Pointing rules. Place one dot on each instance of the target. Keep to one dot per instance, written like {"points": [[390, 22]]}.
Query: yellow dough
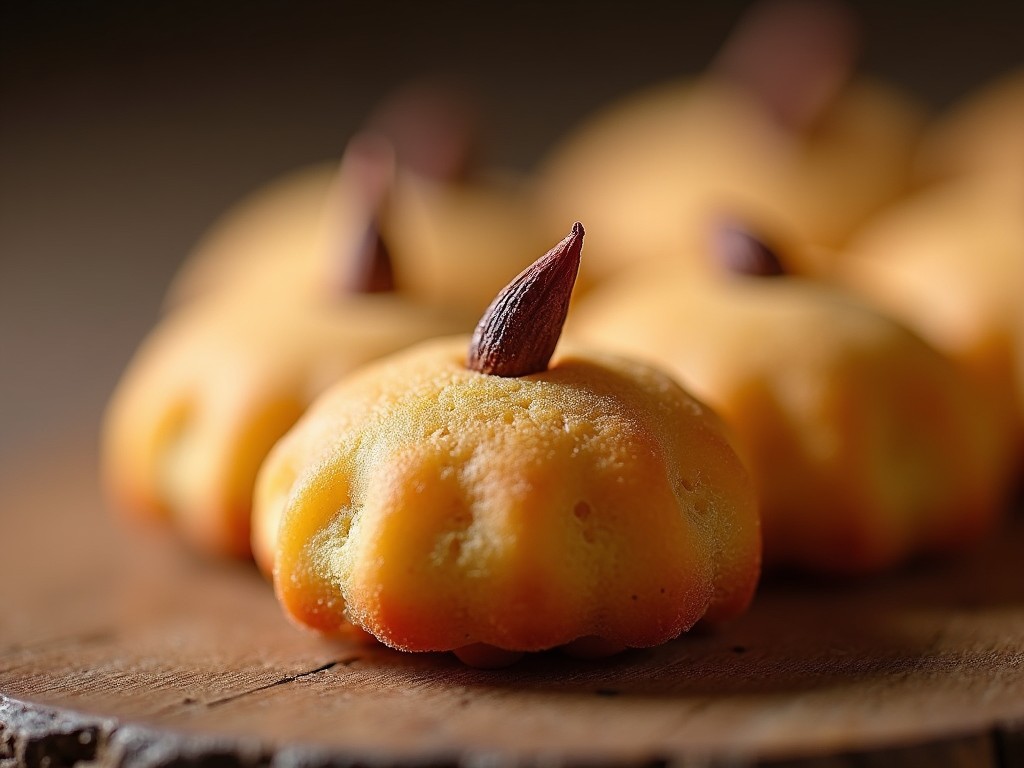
{"points": [[778, 131], [443, 509], [455, 233], [654, 172], [983, 134], [227, 372], [950, 263], [451, 243], [280, 222], [218, 383], [455, 244], [865, 444]]}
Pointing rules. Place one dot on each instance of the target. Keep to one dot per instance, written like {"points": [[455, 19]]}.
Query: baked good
{"points": [[949, 262], [273, 223], [493, 503], [225, 374], [982, 134], [455, 231], [866, 445], [777, 131]]}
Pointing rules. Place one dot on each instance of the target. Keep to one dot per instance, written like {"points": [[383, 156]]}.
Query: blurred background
{"points": [[127, 127]]}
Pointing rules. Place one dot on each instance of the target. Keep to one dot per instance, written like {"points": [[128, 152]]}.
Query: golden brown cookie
{"points": [[982, 134], [475, 497], [866, 445], [455, 232], [777, 131], [950, 264], [225, 374]]}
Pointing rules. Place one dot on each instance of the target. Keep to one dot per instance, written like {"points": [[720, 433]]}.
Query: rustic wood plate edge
{"points": [[39, 736]]}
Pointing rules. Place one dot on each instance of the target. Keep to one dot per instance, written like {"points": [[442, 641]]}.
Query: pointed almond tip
{"points": [[519, 331]]}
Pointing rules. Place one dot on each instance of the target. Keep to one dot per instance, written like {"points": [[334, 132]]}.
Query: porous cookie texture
{"points": [[440, 508]]}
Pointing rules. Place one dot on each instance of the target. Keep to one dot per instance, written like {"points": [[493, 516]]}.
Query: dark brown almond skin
{"points": [[371, 268], [364, 265], [737, 251], [429, 128], [434, 126], [793, 56], [518, 332]]}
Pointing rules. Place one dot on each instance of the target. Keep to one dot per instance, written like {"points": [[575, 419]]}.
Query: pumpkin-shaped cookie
{"points": [[225, 375], [491, 503], [455, 231], [949, 262], [866, 445], [777, 131]]}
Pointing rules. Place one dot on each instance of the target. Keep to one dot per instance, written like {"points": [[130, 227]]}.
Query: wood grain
{"points": [[118, 647]]}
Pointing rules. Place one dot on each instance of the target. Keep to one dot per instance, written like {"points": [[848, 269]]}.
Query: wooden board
{"points": [[118, 647]]}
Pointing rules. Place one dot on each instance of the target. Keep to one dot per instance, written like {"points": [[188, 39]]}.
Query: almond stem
{"points": [[519, 330]]}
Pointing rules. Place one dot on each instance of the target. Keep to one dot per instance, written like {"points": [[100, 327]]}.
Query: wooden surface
{"points": [[126, 129], [167, 658]]}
